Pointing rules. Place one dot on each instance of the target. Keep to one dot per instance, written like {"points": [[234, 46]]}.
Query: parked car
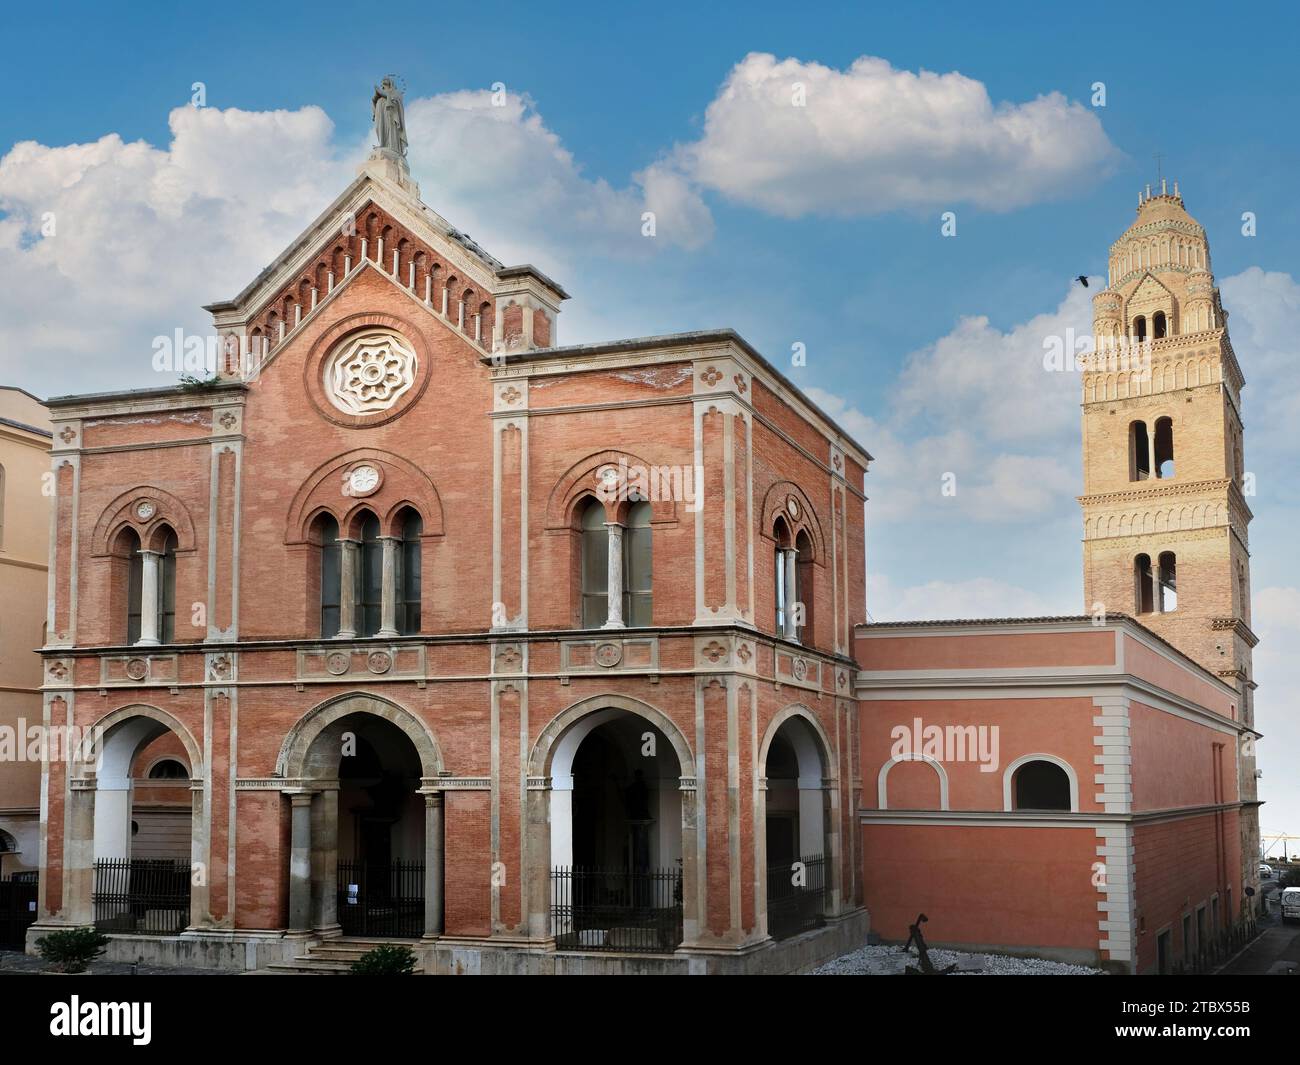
{"points": [[1265, 872], [1291, 904]]}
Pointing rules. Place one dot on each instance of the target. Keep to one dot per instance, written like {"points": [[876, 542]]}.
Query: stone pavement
{"points": [[14, 963]]}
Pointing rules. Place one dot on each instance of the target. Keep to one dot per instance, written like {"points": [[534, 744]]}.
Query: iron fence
{"points": [[616, 909], [1217, 951], [150, 896], [796, 896], [381, 898]]}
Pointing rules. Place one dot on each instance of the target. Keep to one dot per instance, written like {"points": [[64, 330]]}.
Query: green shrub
{"points": [[71, 950], [385, 961]]}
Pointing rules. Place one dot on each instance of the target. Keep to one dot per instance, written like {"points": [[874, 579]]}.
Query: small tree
{"points": [[388, 960], [72, 949]]}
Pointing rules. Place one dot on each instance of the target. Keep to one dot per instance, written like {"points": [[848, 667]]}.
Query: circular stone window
{"points": [[368, 372]]}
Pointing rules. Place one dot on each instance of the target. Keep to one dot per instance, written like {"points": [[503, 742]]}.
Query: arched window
{"points": [[1164, 448], [1139, 328], [168, 769], [1139, 452], [1168, 582], [595, 565], [167, 588], [408, 576], [370, 578], [1144, 593], [804, 584], [781, 534], [1158, 325], [326, 537], [1040, 785], [638, 566], [129, 547]]}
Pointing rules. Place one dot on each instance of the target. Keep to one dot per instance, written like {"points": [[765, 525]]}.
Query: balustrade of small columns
{"points": [[459, 304]]}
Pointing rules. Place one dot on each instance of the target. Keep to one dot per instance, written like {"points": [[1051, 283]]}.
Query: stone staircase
{"points": [[333, 957]]}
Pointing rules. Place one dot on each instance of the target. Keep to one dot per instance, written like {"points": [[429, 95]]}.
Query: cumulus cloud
{"points": [[1275, 618], [872, 138], [108, 244], [980, 428], [494, 165]]}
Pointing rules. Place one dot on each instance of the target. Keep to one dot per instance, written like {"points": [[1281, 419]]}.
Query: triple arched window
{"points": [[370, 583], [616, 566]]}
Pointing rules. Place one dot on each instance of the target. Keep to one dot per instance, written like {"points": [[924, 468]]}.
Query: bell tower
{"points": [[1164, 505]]}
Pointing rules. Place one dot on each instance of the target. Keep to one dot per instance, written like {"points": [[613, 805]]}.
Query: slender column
{"points": [[348, 589], [388, 601], [790, 557], [149, 598], [1155, 585], [1151, 453], [433, 859], [614, 587], [300, 862]]}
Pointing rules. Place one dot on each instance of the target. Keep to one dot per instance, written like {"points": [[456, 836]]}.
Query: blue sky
{"points": [[927, 347]]}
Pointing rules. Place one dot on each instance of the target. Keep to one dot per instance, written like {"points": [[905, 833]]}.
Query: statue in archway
{"points": [[390, 118]]}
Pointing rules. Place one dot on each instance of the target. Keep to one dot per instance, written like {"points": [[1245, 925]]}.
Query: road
{"points": [[1276, 952]]}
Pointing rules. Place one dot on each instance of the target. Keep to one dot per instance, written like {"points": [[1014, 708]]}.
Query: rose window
{"points": [[369, 372]]}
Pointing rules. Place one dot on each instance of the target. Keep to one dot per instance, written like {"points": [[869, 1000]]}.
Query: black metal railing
{"points": [[796, 896], [381, 898], [17, 908], [150, 896], [616, 909]]}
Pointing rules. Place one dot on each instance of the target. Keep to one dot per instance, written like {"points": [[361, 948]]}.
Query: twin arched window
{"points": [[613, 596], [359, 594], [1156, 590], [793, 572], [150, 586], [1151, 455]]}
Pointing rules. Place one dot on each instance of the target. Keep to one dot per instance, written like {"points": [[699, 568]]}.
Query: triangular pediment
{"points": [[370, 198], [1150, 290]]}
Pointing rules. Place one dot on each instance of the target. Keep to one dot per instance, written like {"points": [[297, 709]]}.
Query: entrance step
{"points": [[334, 957]]}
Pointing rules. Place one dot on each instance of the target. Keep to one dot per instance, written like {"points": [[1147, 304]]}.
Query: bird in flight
{"points": [[1083, 280]]}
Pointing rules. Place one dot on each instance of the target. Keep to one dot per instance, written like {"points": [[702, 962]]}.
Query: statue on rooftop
{"points": [[390, 118]]}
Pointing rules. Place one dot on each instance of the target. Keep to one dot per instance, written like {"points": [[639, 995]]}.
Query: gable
{"points": [[1150, 292]]}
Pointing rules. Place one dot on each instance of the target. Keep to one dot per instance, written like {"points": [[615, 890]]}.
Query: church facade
{"points": [[537, 657], [414, 623]]}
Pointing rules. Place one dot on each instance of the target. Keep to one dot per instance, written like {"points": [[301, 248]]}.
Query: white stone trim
{"points": [[882, 791]]}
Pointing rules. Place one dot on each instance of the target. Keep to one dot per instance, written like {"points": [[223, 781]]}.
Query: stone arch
{"points": [[1008, 775], [882, 780], [295, 760], [123, 715], [774, 503], [119, 514], [580, 480], [403, 480], [551, 741]]}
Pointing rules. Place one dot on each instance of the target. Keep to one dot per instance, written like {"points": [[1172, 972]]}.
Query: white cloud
{"points": [[143, 236], [1275, 618], [979, 597], [871, 139], [500, 173]]}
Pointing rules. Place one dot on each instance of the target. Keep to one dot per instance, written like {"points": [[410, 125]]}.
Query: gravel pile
{"points": [[890, 960]]}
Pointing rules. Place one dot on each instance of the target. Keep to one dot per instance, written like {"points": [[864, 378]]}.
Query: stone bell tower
{"points": [[1164, 504]]}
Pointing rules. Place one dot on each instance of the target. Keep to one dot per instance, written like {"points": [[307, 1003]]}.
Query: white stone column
{"points": [[149, 598], [300, 862], [614, 588], [1152, 473], [388, 602], [347, 589], [790, 559], [433, 863]]}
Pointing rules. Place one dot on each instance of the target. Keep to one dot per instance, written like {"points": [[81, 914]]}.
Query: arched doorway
{"points": [[366, 851], [797, 837], [616, 833], [142, 884]]}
